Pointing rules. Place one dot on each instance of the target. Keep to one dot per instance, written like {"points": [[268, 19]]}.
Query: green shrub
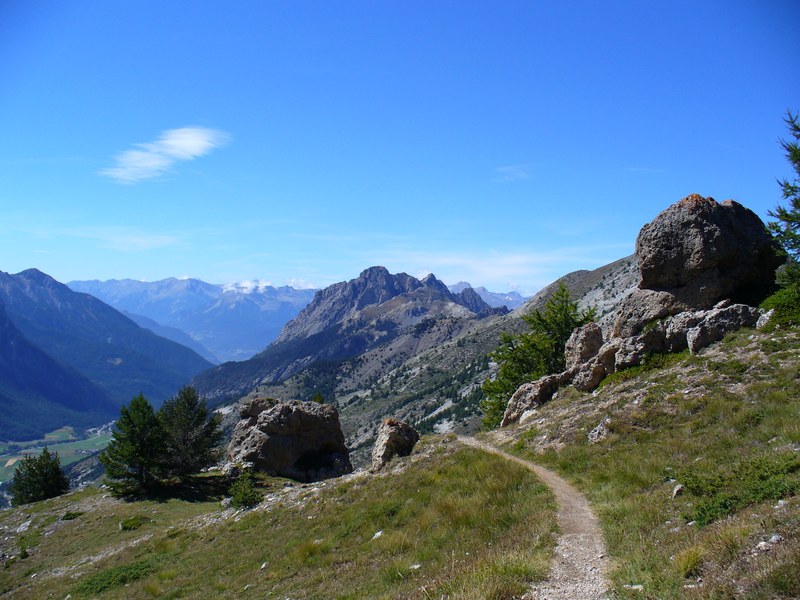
{"points": [[115, 577], [244, 493], [760, 478], [786, 303], [71, 514], [530, 355]]}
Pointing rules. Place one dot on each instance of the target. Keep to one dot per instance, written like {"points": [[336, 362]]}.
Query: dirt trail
{"points": [[580, 563]]}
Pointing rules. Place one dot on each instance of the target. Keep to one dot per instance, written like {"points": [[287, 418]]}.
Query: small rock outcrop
{"points": [[299, 440], [696, 259], [531, 395], [395, 438], [694, 254]]}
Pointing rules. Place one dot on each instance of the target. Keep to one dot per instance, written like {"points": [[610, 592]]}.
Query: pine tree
{"points": [[133, 457], [528, 356], [38, 478], [191, 435], [787, 227]]}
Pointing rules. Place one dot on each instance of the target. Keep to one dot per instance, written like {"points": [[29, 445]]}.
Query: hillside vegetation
{"points": [[448, 521], [724, 426]]}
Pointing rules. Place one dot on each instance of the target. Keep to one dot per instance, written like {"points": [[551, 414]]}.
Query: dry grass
{"points": [[453, 520], [724, 424]]}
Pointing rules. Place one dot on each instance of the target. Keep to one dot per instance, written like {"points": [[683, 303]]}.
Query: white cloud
{"points": [[301, 284], [510, 173], [148, 160]]}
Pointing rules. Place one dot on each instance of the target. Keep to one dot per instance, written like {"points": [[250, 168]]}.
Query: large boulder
{"points": [[395, 438], [298, 440], [694, 254]]}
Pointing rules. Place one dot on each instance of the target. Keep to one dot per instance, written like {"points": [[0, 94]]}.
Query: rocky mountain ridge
{"points": [[429, 375], [95, 342], [358, 319], [38, 395]]}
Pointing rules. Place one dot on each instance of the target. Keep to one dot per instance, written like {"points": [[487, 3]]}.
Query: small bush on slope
{"points": [[786, 303]]}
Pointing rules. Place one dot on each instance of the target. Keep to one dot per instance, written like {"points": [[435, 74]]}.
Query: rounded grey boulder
{"points": [[299, 440]]}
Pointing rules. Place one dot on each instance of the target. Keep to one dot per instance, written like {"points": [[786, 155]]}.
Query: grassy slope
{"points": [[726, 425], [454, 520]]}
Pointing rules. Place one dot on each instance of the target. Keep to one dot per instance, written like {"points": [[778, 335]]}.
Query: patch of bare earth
{"points": [[580, 563]]}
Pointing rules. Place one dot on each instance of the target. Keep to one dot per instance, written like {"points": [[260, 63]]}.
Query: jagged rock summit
{"points": [[694, 254], [299, 440], [347, 302], [696, 259]]}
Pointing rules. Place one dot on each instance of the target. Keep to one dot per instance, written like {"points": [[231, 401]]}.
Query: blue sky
{"points": [[502, 143]]}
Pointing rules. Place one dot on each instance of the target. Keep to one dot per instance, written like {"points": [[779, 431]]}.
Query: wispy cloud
{"points": [[151, 159], [124, 239], [510, 173]]}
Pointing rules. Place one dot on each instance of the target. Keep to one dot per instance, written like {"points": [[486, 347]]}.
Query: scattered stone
{"points": [[226, 502], [716, 322], [600, 432], [24, 527], [776, 539], [677, 491], [395, 438], [377, 535], [298, 440], [764, 318], [761, 547], [263, 566]]}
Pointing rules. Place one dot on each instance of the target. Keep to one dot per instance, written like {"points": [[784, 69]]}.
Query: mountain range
{"points": [[384, 344], [222, 323], [73, 354], [348, 320], [65, 351]]}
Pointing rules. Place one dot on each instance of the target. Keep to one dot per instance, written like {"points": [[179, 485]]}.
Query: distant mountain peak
{"points": [[510, 300], [372, 272], [459, 287]]}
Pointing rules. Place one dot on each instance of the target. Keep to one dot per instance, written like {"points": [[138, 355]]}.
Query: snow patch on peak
{"points": [[246, 287]]}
